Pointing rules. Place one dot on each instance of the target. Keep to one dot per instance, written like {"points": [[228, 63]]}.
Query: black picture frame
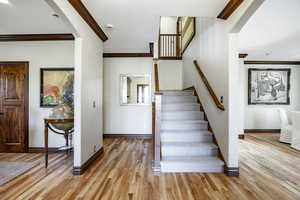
{"points": [[42, 70], [288, 100]]}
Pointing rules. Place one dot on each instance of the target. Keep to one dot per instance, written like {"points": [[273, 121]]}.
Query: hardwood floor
{"points": [[124, 172]]}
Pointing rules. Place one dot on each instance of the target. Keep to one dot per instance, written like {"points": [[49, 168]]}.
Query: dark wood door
{"points": [[13, 106]]}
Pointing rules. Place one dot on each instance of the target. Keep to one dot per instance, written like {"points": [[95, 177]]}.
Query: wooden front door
{"points": [[13, 107]]}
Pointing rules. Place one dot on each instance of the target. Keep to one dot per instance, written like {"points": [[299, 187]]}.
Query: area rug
{"points": [[11, 170]]}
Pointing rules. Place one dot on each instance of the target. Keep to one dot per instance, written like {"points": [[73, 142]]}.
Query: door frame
{"points": [[26, 99]]}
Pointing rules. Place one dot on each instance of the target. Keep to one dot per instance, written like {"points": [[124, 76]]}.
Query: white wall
{"points": [[88, 84], [209, 48], [40, 55], [217, 51], [266, 116], [262, 35], [133, 119], [130, 119], [168, 25], [170, 74]]}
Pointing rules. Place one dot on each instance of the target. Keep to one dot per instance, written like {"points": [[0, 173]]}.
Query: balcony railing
{"points": [[170, 46]]}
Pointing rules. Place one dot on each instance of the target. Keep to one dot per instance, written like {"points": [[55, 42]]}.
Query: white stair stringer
{"points": [[186, 143]]}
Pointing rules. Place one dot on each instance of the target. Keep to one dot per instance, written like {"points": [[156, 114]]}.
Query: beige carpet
{"points": [[11, 170]]}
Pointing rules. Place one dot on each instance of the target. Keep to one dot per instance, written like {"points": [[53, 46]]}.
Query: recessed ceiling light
{"points": [[268, 53], [55, 15], [4, 1], [109, 26]]}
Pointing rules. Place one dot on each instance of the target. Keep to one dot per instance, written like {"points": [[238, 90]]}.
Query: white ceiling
{"points": [[275, 30], [136, 22], [29, 17]]}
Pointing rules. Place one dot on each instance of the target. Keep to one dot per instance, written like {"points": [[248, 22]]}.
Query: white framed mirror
{"points": [[135, 89]]}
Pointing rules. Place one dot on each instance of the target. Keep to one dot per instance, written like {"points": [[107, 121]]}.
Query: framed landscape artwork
{"points": [[56, 86], [269, 86]]}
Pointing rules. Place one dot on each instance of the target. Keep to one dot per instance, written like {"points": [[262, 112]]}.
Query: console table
{"points": [[66, 134]]}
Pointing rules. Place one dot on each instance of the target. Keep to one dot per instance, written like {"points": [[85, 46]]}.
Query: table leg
{"points": [[67, 141], [71, 142], [46, 145]]}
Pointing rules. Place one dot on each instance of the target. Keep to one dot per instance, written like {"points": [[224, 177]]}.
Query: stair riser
{"points": [[186, 138], [181, 108], [188, 168], [187, 151], [179, 126], [179, 99], [178, 93], [183, 116]]}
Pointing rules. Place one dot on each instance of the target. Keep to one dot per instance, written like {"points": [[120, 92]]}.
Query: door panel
{"points": [[13, 107], [10, 86]]}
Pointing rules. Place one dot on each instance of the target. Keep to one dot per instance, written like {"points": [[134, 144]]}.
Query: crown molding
{"points": [[131, 55], [35, 37], [125, 55], [263, 62]]}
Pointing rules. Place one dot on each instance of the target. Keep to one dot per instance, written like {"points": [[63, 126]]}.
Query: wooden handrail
{"points": [[209, 88], [156, 78]]}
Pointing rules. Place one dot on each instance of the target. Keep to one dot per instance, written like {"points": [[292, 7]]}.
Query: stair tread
{"points": [[179, 111], [180, 103], [179, 95], [185, 121], [176, 91], [205, 132], [190, 144], [203, 160]]}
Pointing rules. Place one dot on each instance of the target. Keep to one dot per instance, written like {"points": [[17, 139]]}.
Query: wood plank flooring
{"points": [[124, 172]]}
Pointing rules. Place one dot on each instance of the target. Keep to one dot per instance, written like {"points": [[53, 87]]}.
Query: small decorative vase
{"points": [[62, 111]]}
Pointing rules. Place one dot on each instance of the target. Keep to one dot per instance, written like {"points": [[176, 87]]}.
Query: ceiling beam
{"points": [[88, 18], [35, 37], [131, 55], [243, 55], [262, 62], [231, 6]]}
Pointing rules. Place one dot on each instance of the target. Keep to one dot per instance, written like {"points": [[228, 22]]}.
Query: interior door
{"points": [[13, 107]]}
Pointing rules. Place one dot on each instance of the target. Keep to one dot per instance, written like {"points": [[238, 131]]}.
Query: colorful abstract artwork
{"points": [[57, 86], [269, 86]]}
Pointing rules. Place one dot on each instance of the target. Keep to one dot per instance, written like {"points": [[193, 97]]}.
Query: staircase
{"points": [[186, 143]]}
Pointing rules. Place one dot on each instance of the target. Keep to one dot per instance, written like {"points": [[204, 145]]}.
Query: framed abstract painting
{"points": [[269, 86], [56, 86]]}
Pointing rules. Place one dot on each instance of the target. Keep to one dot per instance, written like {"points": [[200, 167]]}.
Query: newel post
{"points": [[157, 140]]}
